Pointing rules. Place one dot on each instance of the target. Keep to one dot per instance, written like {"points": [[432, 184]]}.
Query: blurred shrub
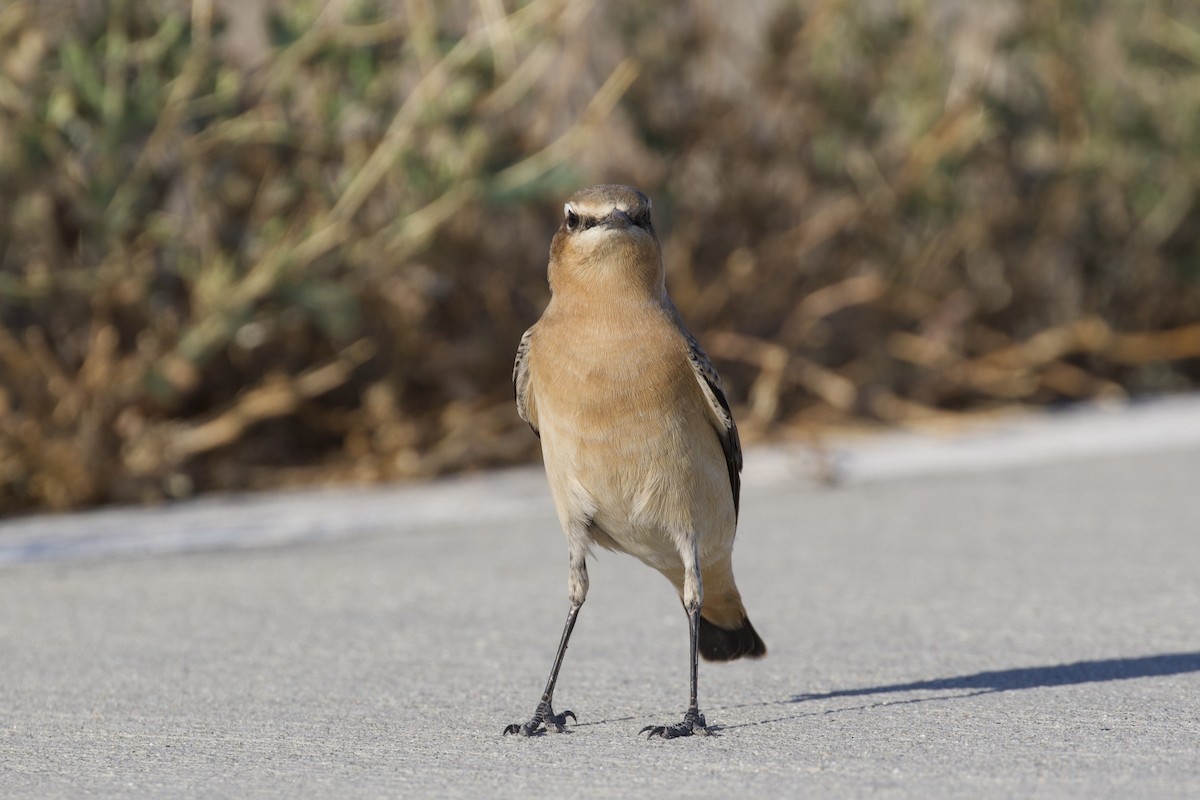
{"points": [[262, 242]]}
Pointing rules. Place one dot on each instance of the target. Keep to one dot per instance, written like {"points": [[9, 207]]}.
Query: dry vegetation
{"points": [[252, 243]]}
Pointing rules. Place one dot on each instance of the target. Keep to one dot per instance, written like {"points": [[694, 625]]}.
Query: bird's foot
{"points": [[544, 719], [693, 724]]}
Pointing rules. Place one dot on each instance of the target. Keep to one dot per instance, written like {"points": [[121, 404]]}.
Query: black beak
{"points": [[617, 219]]}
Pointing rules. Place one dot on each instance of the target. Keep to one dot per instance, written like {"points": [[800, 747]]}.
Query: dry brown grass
{"points": [[250, 244]]}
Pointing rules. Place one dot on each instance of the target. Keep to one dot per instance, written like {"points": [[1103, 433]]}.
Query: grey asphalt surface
{"points": [[1027, 630]]}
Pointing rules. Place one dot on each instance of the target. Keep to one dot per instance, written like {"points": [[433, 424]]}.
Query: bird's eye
{"points": [[572, 219]]}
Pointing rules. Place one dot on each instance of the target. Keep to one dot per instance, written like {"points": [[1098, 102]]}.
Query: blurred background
{"points": [[256, 243]]}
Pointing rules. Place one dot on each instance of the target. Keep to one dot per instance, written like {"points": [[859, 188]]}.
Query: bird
{"points": [[640, 448]]}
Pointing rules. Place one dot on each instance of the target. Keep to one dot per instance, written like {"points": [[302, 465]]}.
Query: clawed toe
{"points": [[559, 721], [662, 731], [544, 720], [674, 731], [693, 725]]}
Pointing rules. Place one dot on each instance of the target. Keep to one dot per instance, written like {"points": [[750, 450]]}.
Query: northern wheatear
{"points": [[640, 447]]}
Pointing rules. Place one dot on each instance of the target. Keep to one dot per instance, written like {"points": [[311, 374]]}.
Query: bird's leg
{"points": [[693, 720], [544, 718]]}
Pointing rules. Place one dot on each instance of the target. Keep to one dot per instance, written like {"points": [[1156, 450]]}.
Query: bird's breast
{"points": [[626, 437], [625, 390]]}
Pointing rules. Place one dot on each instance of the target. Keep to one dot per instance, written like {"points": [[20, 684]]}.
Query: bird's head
{"points": [[606, 241]]}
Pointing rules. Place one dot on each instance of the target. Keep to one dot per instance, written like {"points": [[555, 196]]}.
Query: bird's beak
{"points": [[617, 219]]}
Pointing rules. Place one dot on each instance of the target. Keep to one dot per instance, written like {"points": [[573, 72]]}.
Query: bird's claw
{"points": [[558, 722], [543, 720], [693, 725]]}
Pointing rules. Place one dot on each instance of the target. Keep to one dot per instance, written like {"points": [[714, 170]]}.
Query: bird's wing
{"points": [[521, 384], [714, 393]]}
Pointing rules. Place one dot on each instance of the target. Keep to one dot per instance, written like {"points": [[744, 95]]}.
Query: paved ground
{"points": [[1031, 630]]}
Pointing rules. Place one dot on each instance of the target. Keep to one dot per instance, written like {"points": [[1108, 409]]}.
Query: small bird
{"points": [[641, 451]]}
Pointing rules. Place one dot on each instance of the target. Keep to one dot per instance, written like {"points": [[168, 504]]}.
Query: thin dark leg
{"points": [[544, 716], [693, 720], [694, 630], [548, 695]]}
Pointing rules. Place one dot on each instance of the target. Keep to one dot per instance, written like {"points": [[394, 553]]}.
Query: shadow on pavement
{"points": [[1111, 669]]}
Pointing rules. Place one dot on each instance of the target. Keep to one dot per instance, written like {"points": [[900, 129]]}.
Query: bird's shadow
{"points": [[1005, 680]]}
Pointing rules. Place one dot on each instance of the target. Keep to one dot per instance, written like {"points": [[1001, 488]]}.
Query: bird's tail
{"points": [[725, 630], [726, 644]]}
